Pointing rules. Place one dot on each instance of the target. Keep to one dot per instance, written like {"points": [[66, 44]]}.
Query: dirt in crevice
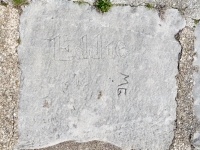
{"points": [[185, 119], [91, 145], [9, 77]]}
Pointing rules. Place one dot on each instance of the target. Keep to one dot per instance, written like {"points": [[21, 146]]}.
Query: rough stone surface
{"points": [[197, 74], [196, 89], [88, 76], [9, 76], [188, 8], [186, 121]]}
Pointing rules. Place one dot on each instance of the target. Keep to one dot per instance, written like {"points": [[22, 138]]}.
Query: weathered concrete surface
{"points": [[88, 76], [196, 89]]}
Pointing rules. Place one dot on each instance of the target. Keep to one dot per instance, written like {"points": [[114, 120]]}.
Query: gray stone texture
{"points": [[87, 76], [188, 8], [196, 89]]}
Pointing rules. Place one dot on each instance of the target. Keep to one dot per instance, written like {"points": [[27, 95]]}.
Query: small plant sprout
{"points": [[103, 5], [80, 2], [132, 5], [19, 3], [149, 6], [18, 40], [196, 21]]}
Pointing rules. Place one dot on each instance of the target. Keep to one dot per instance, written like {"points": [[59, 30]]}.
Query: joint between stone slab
{"points": [[186, 121]]}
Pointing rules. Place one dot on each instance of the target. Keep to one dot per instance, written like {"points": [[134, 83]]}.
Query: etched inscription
{"points": [[110, 49], [83, 47], [78, 80], [96, 52], [122, 88], [121, 49], [66, 48]]}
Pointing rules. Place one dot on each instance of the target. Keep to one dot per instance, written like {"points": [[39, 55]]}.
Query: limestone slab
{"points": [[197, 74], [196, 89], [91, 76]]}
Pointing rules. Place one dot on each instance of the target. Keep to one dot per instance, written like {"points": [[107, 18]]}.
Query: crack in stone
{"points": [[185, 118]]}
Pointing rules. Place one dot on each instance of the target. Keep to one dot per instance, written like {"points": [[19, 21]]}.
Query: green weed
{"points": [[149, 6], [79, 2], [18, 40], [19, 3], [103, 5], [196, 21]]}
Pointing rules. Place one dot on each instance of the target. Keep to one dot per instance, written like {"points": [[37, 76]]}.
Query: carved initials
{"points": [[119, 90]]}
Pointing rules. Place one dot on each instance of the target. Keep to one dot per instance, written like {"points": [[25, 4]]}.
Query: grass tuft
{"points": [[149, 6], [18, 40], [103, 5], [19, 3], [196, 21], [80, 2]]}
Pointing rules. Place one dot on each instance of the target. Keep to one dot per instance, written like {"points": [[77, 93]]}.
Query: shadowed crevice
{"points": [[185, 118], [91, 145]]}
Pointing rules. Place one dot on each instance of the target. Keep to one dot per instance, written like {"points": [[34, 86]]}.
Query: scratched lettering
{"points": [[110, 49], [83, 46], [122, 88], [121, 49], [68, 48]]}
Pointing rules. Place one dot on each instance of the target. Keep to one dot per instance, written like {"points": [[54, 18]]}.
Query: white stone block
{"points": [[92, 76]]}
